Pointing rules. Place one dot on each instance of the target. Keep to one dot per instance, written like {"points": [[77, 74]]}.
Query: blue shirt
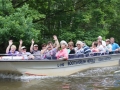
{"points": [[114, 46]]}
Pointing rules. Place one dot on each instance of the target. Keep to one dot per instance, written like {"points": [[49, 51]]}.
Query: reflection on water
{"points": [[92, 79]]}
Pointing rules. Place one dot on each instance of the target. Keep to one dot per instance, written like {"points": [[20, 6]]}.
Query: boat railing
{"points": [[92, 54], [52, 57]]}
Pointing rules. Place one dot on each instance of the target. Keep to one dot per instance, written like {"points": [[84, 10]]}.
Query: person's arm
{"points": [[117, 46], [30, 56], [8, 48], [110, 48], [103, 43], [56, 42], [31, 47], [20, 45], [43, 51]]}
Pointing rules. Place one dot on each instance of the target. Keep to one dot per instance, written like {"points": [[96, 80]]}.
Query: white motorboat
{"points": [[15, 64]]}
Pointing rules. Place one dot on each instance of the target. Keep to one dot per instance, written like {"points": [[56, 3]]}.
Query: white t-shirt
{"points": [[79, 51], [109, 48], [101, 48], [26, 55], [103, 43]]}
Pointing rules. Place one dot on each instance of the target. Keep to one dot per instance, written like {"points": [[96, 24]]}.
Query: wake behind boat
{"points": [[16, 64]]}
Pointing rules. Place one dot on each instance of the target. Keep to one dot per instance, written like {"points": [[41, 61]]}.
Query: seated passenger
{"points": [[103, 42], [34, 50], [108, 46], [71, 48], [11, 49], [79, 49], [94, 47], [62, 54], [51, 49], [86, 49], [43, 47], [101, 47], [22, 50], [115, 46]]}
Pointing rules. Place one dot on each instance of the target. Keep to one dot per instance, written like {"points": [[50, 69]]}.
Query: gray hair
{"points": [[63, 42]]}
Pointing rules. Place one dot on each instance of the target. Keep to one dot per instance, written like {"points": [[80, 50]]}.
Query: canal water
{"points": [[92, 79]]}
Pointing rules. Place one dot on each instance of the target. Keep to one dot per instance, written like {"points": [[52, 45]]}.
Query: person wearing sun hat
{"points": [[23, 52], [108, 46], [63, 53]]}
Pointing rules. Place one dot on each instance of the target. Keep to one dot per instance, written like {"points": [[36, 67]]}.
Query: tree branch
{"points": [[58, 12], [19, 4]]}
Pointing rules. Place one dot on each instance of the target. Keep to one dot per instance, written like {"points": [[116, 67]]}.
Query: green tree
{"points": [[18, 23]]}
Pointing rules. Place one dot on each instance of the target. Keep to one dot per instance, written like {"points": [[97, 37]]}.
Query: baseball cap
{"points": [[23, 47], [35, 45]]}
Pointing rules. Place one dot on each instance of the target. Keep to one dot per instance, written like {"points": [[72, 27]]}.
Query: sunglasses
{"points": [[24, 49]]}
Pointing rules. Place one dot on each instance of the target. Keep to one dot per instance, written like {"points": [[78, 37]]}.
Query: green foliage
{"points": [[19, 24], [68, 19]]}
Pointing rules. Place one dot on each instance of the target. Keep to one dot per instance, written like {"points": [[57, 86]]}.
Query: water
{"points": [[92, 79]]}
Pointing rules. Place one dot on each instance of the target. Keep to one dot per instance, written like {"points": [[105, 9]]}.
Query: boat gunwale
{"points": [[45, 60]]}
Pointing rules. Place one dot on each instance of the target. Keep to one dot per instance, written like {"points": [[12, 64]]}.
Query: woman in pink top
{"points": [[94, 47], [63, 53]]}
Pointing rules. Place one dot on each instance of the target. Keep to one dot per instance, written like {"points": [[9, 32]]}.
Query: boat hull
{"points": [[55, 67]]}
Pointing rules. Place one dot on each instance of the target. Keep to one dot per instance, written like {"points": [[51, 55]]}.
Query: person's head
{"points": [[13, 48], [79, 44], [99, 42], [99, 38], [50, 45], [95, 44], [70, 45], [107, 41], [43, 46], [112, 40], [23, 49], [63, 44], [35, 47]]}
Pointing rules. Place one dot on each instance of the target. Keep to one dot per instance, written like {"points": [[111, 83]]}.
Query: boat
{"points": [[17, 65]]}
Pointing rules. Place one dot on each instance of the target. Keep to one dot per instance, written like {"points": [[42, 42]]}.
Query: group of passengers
{"points": [[61, 51]]}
